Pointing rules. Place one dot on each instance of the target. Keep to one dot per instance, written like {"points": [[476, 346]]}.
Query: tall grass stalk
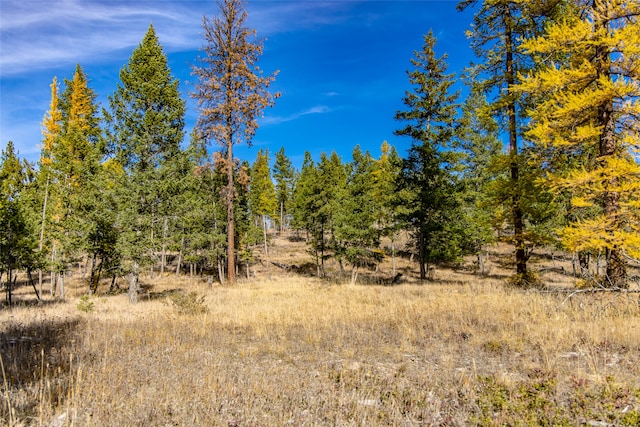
{"points": [[6, 392]]}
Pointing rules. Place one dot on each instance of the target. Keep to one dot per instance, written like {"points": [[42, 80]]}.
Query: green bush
{"points": [[188, 303], [85, 305]]}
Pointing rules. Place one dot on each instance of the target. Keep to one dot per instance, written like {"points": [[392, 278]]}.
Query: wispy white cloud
{"points": [[274, 120], [42, 34], [36, 34]]}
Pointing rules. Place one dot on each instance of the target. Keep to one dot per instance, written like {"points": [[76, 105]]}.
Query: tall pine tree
{"points": [[386, 172], [284, 175], [17, 239], [479, 144], [76, 157], [262, 194], [356, 236], [428, 184], [499, 27], [232, 93], [146, 128]]}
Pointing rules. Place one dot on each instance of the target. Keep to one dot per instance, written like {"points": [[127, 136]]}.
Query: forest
{"points": [[486, 277], [541, 152]]}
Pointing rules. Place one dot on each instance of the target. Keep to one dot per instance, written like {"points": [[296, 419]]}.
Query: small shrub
{"points": [[188, 303], [85, 305], [528, 280], [496, 346]]}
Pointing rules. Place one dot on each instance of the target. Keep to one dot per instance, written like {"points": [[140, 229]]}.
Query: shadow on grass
{"points": [[154, 296], [36, 356], [21, 302]]}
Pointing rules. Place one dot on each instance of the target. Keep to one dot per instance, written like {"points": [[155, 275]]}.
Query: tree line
{"points": [[115, 192]]}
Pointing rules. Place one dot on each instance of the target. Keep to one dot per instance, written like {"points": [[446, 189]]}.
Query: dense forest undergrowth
{"points": [[282, 347]]}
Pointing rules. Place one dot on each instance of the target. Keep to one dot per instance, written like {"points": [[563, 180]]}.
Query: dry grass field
{"points": [[282, 349]]}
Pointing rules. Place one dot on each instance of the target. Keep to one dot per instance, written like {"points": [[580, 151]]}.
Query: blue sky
{"points": [[342, 63]]}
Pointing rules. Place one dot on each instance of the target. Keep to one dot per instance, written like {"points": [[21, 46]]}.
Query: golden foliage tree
{"points": [[51, 128], [51, 124], [232, 94], [75, 157], [589, 90]]}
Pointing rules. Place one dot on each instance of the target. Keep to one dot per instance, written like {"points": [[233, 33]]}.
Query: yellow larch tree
{"points": [[588, 87], [75, 161], [51, 128], [51, 125]]}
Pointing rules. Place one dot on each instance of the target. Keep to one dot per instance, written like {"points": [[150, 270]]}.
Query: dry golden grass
{"points": [[284, 349]]}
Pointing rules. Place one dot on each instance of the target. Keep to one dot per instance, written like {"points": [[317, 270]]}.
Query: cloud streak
{"points": [[36, 35], [276, 120]]}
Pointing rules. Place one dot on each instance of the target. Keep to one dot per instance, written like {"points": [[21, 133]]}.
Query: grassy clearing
{"points": [[291, 350]]}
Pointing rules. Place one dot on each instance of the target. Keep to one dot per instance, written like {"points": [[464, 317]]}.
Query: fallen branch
{"points": [[573, 292], [284, 266]]}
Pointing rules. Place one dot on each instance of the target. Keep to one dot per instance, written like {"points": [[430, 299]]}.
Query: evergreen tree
{"points": [[302, 192], [76, 157], [479, 144], [386, 172], [331, 179], [589, 110], [317, 197], [231, 94], [356, 236], [262, 193], [147, 112], [284, 175], [17, 239], [203, 214], [146, 128], [428, 185], [499, 27], [249, 234]]}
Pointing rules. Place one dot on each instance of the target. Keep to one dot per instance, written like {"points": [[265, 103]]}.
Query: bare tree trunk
{"points": [[133, 284], [8, 287], [92, 278], [114, 285], [33, 284], [322, 250], [517, 214], [44, 218], [393, 256], [180, 256], [264, 235], [54, 279], [281, 218], [220, 271], [608, 145], [230, 196], [61, 287], [83, 269], [583, 263], [163, 259], [421, 261]]}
